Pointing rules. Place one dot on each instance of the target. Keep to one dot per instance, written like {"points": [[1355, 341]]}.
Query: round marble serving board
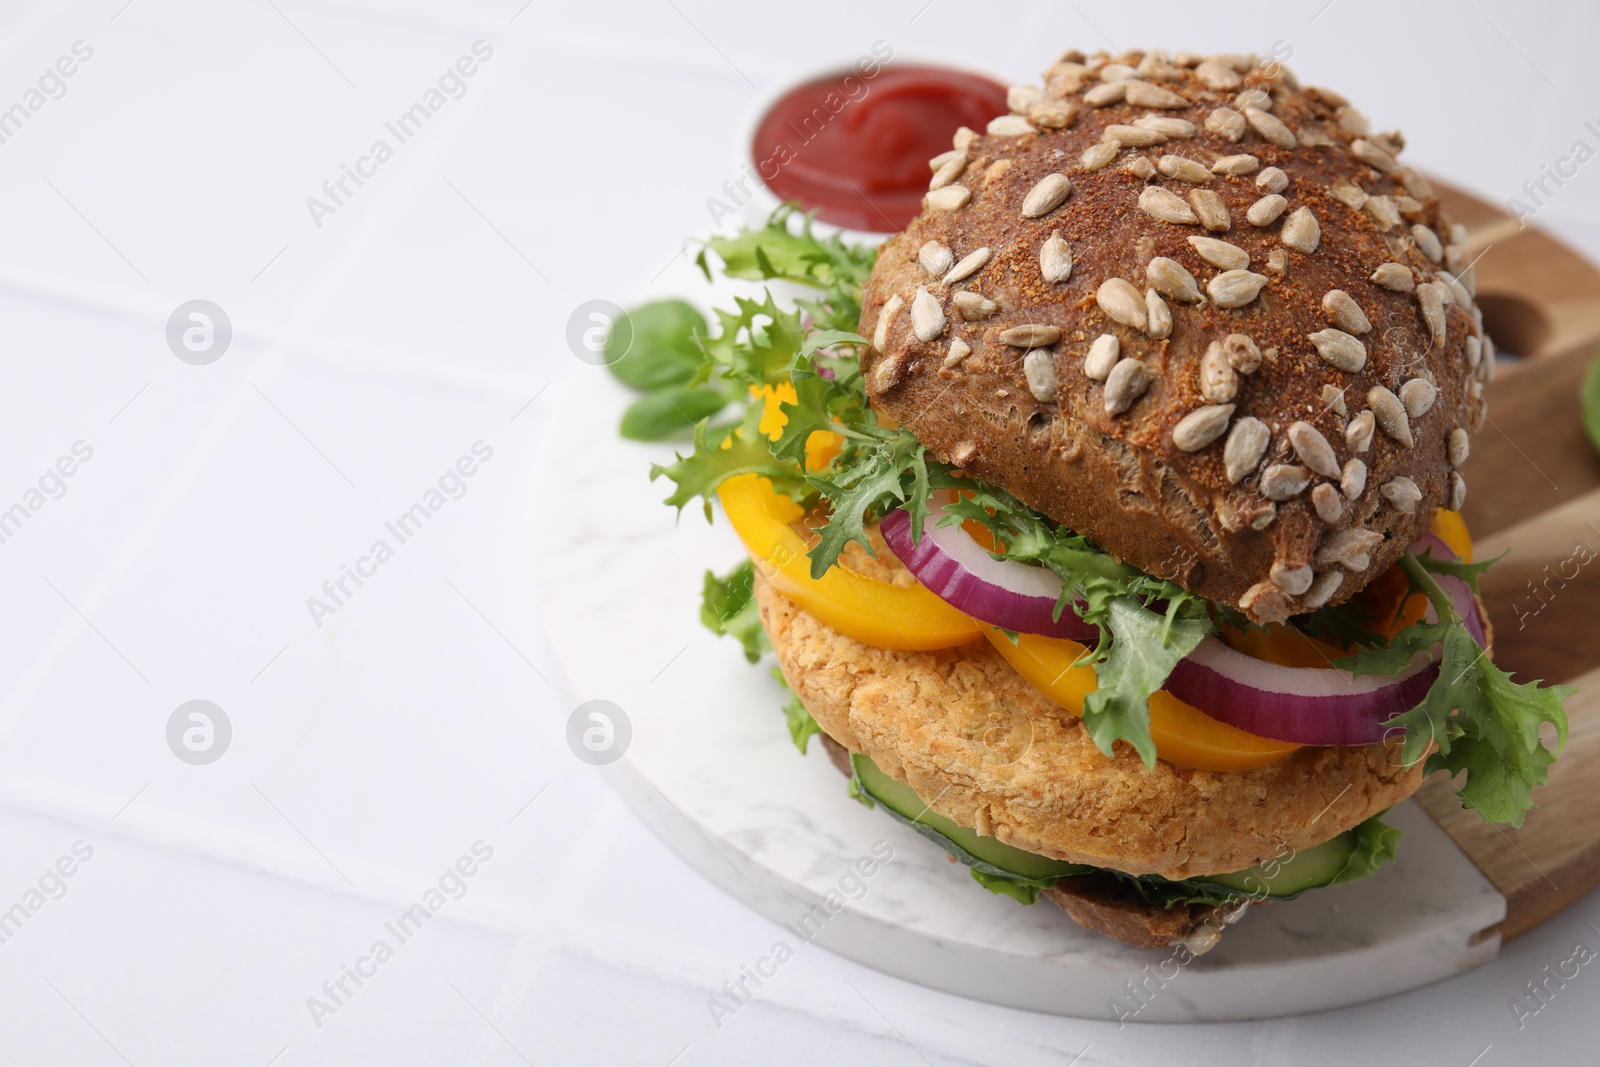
{"points": [[710, 768]]}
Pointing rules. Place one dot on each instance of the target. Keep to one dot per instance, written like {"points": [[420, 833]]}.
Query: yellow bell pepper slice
{"points": [[874, 612], [1183, 734]]}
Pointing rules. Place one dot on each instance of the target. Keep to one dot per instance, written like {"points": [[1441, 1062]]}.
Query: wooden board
{"points": [[1534, 494]]}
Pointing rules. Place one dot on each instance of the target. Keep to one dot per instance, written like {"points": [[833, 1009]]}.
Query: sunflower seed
{"points": [[950, 198], [1178, 129], [1391, 414], [1353, 122], [1292, 580], [949, 172], [1158, 315], [1313, 449], [1396, 276], [1053, 114], [1126, 383], [1247, 443], [1039, 367], [1373, 156], [1155, 66], [935, 258], [1131, 136], [1019, 98], [1046, 195], [1358, 435], [1417, 185], [1032, 335], [1327, 96], [1265, 212], [1418, 395], [927, 317], [1144, 94], [1171, 278], [1403, 493], [1270, 126], [1214, 75], [1353, 478], [1201, 426], [888, 374], [1117, 72], [1219, 382], [1346, 546], [1474, 348], [1407, 206], [1384, 211], [1097, 156], [1235, 288], [973, 306], [1122, 302], [1227, 122], [1278, 262], [964, 136], [1055, 259], [1458, 491], [1428, 242], [1210, 209], [880, 333], [1322, 590], [1236, 165], [944, 157], [1391, 141], [1333, 400], [1344, 312], [1272, 180], [1103, 355], [1459, 447], [1184, 170], [1348, 193], [1220, 254], [1009, 126], [1301, 232], [1262, 517], [1140, 167], [1106, 93], [1254, 98], [959, 350], [1281, 481], [1458, 292], [993, 172], [1430, 298], [970, 264], [1243, 355]]}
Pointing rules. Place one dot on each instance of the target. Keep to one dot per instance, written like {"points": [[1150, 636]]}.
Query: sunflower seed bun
{"points": [[1196, 313]]}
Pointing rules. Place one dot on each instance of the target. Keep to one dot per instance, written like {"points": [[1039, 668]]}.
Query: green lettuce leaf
{"points": [[1376, 844], [1483, 723], [728, 609], [1144, 649]]}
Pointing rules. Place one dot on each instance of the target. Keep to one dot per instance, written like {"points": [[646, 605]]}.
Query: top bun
{"points": [[1197, 314]]}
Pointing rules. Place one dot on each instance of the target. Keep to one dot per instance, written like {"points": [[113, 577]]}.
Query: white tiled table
{"points": [[428, 314]]}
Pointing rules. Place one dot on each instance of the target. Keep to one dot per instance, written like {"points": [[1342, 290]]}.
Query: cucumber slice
{"points": [[1291, 875], [986, 854], [1280, 879]]}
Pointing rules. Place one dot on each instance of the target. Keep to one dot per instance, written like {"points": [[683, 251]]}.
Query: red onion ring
{"points": [[1314, 705], [1006, 593]]}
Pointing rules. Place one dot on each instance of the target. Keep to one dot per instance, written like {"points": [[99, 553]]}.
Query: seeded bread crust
{"points": [[1274, 535], [990, 751]]}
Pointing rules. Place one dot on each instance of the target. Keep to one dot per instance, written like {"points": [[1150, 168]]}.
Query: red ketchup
{"points": [[854, 147]]}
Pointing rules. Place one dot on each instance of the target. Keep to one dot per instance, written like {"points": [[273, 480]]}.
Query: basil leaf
{"points": [[654, 344]]}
